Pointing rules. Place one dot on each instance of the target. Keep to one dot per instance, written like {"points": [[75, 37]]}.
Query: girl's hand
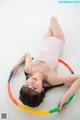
{"points": [[61, 102], [14, 69]]}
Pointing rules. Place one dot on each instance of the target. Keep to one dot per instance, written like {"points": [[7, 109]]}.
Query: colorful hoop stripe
{"points": [[37, 111]]}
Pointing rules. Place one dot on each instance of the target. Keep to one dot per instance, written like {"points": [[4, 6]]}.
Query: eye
{"points": [[34, 88], [26, 85]]}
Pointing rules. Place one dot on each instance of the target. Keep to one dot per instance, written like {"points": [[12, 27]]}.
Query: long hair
{"points": [[32, 98]]}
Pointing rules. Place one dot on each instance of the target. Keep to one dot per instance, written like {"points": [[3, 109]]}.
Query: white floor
{"points": [[23, 24]]}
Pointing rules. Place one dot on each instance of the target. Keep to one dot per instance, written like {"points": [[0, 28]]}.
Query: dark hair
{"points": [[32, 98]]}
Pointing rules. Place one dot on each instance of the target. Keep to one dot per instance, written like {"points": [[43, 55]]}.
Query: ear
{"points": [[42, 89]]}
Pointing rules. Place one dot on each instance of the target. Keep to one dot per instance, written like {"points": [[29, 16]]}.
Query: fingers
{"points": [[62, 108], [14, 70], [60, 105], [11, 70]]}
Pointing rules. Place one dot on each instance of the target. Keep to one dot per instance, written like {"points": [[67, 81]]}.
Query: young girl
{"points": [[43, 68]]}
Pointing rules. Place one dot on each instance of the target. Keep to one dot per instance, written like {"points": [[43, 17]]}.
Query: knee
{"points": [[53, 19]]}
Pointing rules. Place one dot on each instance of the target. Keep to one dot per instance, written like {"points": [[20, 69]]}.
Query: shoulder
{"points": [[28, 67], [52, 77]]}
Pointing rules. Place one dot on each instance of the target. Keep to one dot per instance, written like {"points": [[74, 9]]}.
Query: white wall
{"points": [[23, 24]]}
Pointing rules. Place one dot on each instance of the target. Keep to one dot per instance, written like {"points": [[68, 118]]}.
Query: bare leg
{"points": [[49, 32], [56, 29]]}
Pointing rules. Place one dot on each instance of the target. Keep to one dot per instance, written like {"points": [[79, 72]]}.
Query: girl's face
{"points": [[34, 84]]}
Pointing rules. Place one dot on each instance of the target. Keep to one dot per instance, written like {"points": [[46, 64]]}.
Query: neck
{"points": [[39, 76]]}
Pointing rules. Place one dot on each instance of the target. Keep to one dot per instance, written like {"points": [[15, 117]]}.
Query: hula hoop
{"points": [[37, 111]]}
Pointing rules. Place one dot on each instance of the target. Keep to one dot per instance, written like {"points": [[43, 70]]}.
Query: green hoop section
{"points": [[37, 111]]}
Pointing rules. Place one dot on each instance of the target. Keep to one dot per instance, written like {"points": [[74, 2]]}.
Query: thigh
{"points": [[56, 29], [48, 33]]}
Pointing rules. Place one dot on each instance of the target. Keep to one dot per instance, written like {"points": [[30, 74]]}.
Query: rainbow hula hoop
{"points": [[37, 111]]}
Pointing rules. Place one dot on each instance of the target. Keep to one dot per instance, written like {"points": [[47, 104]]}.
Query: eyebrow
{"points": [[31, 88]]}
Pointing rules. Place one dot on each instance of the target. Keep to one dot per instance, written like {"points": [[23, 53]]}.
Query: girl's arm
{"points": [[75, 79], [26, 57], [62, 79], [74, 87]]}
